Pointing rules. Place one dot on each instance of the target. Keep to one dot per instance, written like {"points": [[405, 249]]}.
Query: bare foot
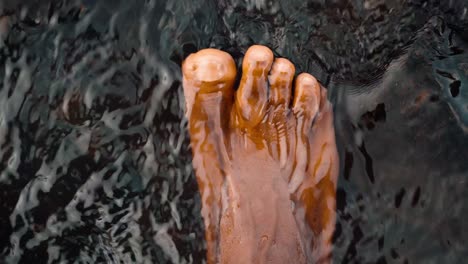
{"points": [[266, 168]]}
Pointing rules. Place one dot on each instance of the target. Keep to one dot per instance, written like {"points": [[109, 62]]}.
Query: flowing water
{"points": [[95, 157]]}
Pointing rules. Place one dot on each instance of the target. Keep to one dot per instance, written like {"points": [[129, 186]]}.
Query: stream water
{"points": [[95, 157]]}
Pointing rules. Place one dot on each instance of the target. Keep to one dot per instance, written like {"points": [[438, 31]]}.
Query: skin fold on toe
{"points": [[265, 159]]}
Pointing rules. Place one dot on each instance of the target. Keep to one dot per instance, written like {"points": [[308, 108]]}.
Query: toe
{"points": [[208, 80], [252, 96], [209, 70], [307, 95], [281, 75]]}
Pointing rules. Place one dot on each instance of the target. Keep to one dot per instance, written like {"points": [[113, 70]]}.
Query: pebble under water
{"points": [[95, 156]]}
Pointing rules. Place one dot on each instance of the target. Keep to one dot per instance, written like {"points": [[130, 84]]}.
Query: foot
{"points": [[265, 160]]}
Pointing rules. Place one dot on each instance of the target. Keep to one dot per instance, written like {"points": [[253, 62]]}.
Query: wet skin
{"points": [[265, 159]]}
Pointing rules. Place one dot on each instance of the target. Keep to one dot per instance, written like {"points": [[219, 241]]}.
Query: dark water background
{"points": [[95, 159]]}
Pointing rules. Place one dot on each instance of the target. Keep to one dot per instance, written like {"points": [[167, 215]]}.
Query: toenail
{"points": [[259, 57], [308, 80], [210, 71], [209, 66]]}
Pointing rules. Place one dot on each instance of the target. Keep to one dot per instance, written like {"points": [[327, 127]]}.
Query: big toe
{"points": [[209, 70], [252, 95], [208, 79]]}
